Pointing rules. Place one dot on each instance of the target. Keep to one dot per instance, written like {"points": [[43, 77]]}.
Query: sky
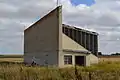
{"points": [[87, 2], [102, 16]]}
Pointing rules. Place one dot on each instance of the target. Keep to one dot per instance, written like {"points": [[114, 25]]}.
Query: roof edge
{"points": [[84, 30], [77, 51], [50, 12]]}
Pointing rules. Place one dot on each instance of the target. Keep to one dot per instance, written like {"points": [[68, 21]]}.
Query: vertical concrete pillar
{"points": [[85, 40], [60, 52], [81, 37], [63, 30], [89, 41], [67, 31], [77, 36], [96, 45], [73, 60], [87, 59], [93, 44], [73, 34]]}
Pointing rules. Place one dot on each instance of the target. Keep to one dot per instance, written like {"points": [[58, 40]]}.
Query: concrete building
{"points": [[49, 42]]}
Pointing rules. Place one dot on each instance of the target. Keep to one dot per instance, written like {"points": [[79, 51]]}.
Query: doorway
{"points": [[80, 60]]}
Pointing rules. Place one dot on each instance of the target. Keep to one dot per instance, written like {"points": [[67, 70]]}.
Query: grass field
{"points": [[11, 58], [18, 71]]}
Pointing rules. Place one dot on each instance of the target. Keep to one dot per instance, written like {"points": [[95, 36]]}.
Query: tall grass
{"points": [[101, 71]]}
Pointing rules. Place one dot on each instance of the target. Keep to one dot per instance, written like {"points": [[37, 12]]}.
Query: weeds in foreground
{"points": [[101, 71]]}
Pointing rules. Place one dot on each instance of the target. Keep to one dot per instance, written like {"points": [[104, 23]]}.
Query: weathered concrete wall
{"points": [[87, 39], [93, 59], [44, 42], [73, 54], [89, 58], [68, 43], [60, 51], [41, 40]]}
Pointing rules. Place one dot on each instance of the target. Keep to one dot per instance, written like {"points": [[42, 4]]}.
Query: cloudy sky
{"points": [[102, 16]]}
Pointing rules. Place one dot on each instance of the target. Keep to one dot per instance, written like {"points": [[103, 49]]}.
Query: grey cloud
{"points": [[11, 36], [25, 8], [102, 17], [109, 46], [89, 19], [107, 20], [15, 15]]}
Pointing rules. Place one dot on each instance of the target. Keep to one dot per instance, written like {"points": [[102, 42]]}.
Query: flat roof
{"points": [[77, 51], [79, 29]]}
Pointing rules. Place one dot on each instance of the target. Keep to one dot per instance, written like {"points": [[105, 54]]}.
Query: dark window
{"points": [[70, 33], [63, 29], [67, 59], [66, 31], [75, 35]]}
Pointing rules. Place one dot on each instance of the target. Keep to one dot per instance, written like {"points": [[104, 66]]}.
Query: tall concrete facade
{"points": [[48, 42], [41, 40]]}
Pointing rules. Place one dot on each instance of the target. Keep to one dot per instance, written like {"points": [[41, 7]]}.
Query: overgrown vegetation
{"points": [[101, 71]]}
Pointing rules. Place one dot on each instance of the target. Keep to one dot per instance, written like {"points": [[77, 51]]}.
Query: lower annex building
{"points": [[49, 42]]}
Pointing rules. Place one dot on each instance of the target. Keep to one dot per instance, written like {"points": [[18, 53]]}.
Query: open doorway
{"points": [[80, 60]]}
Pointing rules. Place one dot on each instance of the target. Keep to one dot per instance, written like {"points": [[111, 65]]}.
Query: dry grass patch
{"points": [[11, 59], [101, 71]]}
